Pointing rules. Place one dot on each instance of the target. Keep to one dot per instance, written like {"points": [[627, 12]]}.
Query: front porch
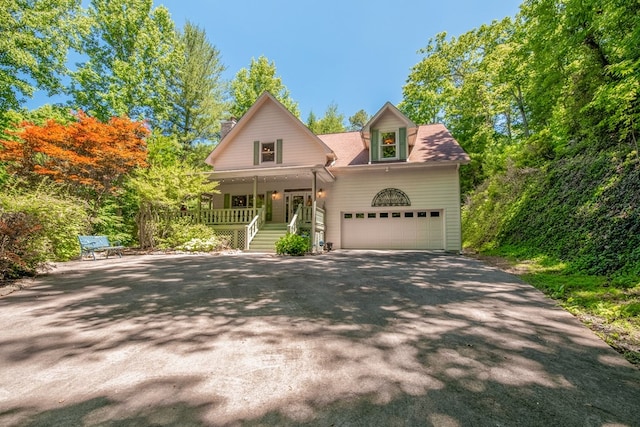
{"points": [[241, 225], [248, 199]]}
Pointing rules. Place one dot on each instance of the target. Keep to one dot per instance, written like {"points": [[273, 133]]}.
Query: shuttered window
{"points": [[267, 152], [389, 144]]}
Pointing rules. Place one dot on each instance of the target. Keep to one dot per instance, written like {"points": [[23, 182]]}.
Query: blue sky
{"points": [[357, 54]]}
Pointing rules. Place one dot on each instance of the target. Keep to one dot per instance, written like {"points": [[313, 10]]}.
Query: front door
{"points": [[295, 199]]}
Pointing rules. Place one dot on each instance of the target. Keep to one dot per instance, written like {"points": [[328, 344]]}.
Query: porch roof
{"points": [[277, 173]]}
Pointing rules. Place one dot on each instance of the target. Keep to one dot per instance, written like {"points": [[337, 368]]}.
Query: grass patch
{"points": [[609, 306]]}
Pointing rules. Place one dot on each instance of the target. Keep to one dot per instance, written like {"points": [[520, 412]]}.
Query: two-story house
{"points": [[392, 185]]}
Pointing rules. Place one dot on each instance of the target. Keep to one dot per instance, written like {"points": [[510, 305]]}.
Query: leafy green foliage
{"points": [[183, 234], [197, 95], [471, 84], [133, 55], [116, 219], [60, 217], [358, 120], [250, 83], [584, 67], [332, 122], [293, 244], [34, 51], [582, 209], [159, 192]]}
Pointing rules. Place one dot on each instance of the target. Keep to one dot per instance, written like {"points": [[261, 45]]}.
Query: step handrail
{"points": [[292, 228], [253, 227]]}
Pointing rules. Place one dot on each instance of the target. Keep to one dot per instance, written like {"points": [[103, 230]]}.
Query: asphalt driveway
{"points": [[341, 339]]}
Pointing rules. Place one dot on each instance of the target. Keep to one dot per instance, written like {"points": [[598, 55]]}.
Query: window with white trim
{"points": [[246, 201], [388, 145], [267, 152]]}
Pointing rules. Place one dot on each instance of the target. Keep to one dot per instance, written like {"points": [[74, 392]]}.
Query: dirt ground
{"points": [[349, 338]]}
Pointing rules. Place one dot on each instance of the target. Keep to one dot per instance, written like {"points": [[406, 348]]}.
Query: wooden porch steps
{"points": [[265, 240]]}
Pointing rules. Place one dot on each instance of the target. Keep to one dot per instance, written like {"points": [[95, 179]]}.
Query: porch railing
{"points": [[320, 219], [303, 216], [223, 216], [254, 226]]}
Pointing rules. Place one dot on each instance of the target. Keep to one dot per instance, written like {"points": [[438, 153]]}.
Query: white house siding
{"points": [[388, 121], [431, 189], [269, 124]]}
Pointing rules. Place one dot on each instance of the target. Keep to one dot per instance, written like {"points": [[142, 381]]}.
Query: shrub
{"points": [[61, 218], [211, 244], [181, 231], [292, 244], [18, 255]]}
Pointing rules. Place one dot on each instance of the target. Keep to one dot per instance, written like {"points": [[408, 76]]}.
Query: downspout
{"points": [[313, 212]]}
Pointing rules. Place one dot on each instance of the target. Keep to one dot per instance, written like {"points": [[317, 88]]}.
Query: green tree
{"points": [[36, 37], [197, 97], [358, 120], [133, 58], [463, 82], [250, 83], [332, 122], [584, 67], [312, 121], [40, 115]]}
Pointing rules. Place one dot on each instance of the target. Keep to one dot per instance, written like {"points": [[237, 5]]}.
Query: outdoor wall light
{"points": [[274, 195], [320, 193]]}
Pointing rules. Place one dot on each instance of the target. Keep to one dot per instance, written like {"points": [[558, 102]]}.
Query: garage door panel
{"points": [[404, 230]]}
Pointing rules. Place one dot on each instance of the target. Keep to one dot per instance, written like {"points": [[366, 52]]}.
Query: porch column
{"points": [[313, 211], [255, 192]]}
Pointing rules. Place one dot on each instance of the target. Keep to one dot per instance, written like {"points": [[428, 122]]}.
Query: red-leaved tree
{"points": [[87, 152]]}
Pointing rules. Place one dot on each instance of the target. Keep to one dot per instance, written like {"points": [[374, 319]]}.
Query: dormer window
{"points": [[388, 145], [268, 152]]}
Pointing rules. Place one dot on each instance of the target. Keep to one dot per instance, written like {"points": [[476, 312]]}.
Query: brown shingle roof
{"points": [[348, 146], [433, 143]]}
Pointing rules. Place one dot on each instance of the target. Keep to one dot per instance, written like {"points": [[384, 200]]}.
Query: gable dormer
{"points": [[269, 136], [388, 135]]}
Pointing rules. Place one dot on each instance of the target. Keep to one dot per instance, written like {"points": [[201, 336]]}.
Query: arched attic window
{"points": [[391, 197]]}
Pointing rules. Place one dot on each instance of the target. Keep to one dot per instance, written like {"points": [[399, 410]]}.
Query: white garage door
{"points": [[406, 229]]}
